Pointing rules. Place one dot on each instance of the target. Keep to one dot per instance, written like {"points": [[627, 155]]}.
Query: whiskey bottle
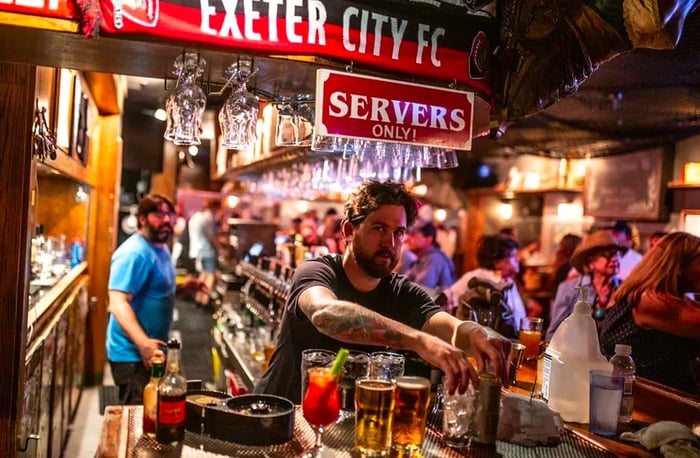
{"points": [[172, 389], [150, 394]]}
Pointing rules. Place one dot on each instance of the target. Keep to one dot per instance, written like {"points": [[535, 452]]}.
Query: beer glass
{"points": [[313, 357], [530, 335], [374, 411], [185, 106], [386, 365], [411, 400], [356, 366]]}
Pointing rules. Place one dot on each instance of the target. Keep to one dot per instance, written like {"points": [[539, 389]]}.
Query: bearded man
{"points": [[356, 301], [141, 298]]}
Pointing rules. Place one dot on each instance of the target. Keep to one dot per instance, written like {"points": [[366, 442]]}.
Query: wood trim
{"points": [[105, 163], [17, 85], [39, 22]]}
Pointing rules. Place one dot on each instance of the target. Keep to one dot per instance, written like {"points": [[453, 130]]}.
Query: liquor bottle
{"points": [[150, 394], [623, 364], [172, 390]]}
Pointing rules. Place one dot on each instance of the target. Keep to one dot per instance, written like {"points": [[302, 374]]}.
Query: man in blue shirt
{"points": [[432, 269], [141, 298]]}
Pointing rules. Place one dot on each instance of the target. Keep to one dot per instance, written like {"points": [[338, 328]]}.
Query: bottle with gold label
{"points": [[172, 390], [150, 393]]}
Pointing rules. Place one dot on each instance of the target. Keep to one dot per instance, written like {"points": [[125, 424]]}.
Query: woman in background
{"points": [[597, 259], [655, 315]]}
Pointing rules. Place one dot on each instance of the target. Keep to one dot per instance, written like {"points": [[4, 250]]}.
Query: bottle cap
{"points": [[623, 350]]}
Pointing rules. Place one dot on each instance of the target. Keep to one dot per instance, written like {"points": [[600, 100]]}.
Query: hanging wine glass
{"points": [[287, 131], [304, 118], [185, 105], [238, 116]]}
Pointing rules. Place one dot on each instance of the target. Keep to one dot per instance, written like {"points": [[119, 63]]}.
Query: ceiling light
{"points": [[160, 114], [440, 215], [505, 210], [420, 190]]}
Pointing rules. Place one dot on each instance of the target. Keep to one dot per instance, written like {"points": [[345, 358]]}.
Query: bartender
{"points": [[356, 301]]}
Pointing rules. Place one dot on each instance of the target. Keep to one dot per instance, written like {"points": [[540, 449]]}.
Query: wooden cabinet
{"points": [[55, 365]]}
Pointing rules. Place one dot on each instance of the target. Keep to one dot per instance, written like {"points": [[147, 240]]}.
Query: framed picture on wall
{"points": [[690, 221], [79, 122], [628, 186]]}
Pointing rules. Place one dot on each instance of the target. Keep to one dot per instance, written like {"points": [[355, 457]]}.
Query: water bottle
{"points": [[77, 251], [623, 364]]}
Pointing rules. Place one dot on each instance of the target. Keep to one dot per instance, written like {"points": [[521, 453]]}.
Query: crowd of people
{"points": [[376, 282]]}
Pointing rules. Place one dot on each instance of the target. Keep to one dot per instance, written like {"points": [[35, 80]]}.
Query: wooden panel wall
{"points": [[105, 166], [57, 209], [16, 114]]}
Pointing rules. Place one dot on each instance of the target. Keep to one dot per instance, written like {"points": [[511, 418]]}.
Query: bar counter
{"points": [[122, 438]]}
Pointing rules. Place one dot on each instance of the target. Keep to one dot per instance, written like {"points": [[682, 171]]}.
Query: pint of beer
{"points": [[374, 406], [412, 397]]}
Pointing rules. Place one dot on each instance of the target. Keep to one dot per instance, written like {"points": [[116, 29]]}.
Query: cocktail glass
{"points": [[321, 407]]}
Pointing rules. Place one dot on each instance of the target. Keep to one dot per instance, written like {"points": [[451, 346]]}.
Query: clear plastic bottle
{"points": [[572, 353], [623, 364]]}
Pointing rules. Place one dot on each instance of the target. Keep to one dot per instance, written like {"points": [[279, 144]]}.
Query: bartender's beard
{"points": [[374, 264], [160, 233]]}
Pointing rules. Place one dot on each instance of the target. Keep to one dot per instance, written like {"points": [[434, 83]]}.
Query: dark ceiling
{"points": [[636, 99]]}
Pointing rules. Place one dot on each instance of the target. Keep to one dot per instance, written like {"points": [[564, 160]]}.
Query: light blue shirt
{"points": [[145, 271]]}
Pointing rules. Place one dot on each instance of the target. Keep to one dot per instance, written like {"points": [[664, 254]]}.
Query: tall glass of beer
{"points": [[411, 400], [374, 409]]}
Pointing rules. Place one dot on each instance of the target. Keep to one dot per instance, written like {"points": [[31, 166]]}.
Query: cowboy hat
{"points": [[597, 241]]}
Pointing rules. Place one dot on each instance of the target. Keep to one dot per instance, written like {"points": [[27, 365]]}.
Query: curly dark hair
{"points": [[372, 194], [494, 247], [151, 203]]}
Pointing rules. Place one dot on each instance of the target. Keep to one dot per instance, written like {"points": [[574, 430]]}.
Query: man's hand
{"points": [[194, 284], [485, 344], [148, 348], [450, 359]]}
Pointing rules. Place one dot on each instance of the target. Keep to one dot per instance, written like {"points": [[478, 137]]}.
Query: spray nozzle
{"points": [[582, 290], [582, 305]]}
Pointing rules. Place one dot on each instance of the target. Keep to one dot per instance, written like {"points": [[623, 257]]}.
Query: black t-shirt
{"points": [[395, 297]]}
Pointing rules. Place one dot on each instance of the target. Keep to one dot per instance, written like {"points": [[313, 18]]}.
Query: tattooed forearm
{"points": [[352, 323]]}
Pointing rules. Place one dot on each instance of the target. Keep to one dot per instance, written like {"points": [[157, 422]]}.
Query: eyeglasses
{"points": [[162, 214], [608, 254]]}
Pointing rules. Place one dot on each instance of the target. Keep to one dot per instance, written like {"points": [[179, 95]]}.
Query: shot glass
{"points": [[531, 335], [356, 366], [386, 365], [606, 392], [313, 357], [458, 414]]}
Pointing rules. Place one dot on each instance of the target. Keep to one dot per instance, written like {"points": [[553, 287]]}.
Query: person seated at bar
{"points": [[432, 268], [355, 301], [622, 232], [653, 314], [497, 256], [598, 261], [655, 237], [562, 260]]}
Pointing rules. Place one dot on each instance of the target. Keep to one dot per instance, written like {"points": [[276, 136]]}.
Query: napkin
{"points": [[528, 422], [673, 439]]}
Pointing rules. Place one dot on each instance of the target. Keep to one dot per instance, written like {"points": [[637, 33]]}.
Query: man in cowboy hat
{"points": [[597, 259]]}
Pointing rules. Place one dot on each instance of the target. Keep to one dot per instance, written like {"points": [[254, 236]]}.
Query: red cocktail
{"points": [[321, 405]]}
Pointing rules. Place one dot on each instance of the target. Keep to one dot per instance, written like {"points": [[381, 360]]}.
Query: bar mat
{"points": [[339, 439]]}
